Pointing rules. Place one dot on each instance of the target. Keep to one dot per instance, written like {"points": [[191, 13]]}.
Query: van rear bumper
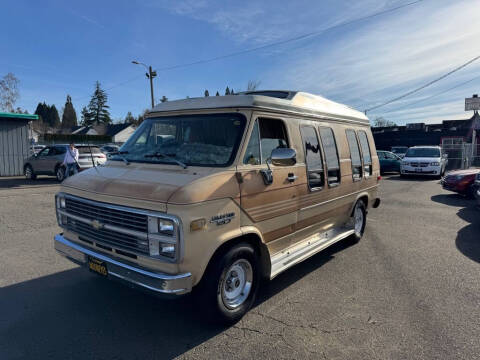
{"points": [[136, 277]]}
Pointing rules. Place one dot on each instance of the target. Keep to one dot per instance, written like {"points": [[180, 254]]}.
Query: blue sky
{"points": [[57, 48]]}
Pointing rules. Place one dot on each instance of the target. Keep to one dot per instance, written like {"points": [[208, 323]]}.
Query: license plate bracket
{"points": [[97, 266], [418, 170]]}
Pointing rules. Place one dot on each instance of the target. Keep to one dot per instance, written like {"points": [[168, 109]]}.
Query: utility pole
{"points": [[473, 103], [150, 75]]}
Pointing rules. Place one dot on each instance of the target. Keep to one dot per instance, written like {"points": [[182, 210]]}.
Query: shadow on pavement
{"points": [[21, 182], [452, 199], [468, 238], [76, 314]]}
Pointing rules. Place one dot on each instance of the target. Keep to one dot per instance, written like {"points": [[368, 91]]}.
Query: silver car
{"points": [[49, 161]]}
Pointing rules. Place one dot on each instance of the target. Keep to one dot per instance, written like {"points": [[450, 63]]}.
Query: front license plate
{"points": [[97, 266], [418, 170]]}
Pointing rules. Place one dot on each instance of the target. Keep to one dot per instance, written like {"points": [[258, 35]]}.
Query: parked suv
{"points": [[217, 193], [424, 160], [49, 161]]}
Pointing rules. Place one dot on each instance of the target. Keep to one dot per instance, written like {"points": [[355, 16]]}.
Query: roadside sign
{"points": [[472, 104]]}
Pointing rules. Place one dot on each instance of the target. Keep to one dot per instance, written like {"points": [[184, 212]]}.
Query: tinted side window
{"points": [[331, 156], [367, 157], [252, 153], [354, 155], [60, 150], [313, 157], [272, 136]]}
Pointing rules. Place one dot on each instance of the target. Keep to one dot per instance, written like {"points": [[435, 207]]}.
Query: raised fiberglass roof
{"points": [[280, 100]]}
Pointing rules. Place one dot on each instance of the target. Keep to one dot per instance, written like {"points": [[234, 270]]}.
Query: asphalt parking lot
{"points": [[409, 290]]}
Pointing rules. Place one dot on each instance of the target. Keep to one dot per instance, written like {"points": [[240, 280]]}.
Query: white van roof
{"points": [[277, 100]]}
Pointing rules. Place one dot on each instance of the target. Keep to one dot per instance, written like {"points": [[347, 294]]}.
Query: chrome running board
{"points": [[306, 248]]}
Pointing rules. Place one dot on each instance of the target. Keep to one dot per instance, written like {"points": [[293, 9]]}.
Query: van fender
{"points": [[363, 194]]}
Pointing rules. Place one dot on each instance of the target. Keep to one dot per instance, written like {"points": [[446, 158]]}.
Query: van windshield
{"points": [[196, 140], [423, 152]]}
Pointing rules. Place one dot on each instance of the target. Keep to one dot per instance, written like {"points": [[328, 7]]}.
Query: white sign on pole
{"points": [[472, 104]]}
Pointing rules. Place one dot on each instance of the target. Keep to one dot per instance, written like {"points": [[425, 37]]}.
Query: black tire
{"points": [[60, 173], [29, 174], [359, 228], [471, 192], [213, 288]]}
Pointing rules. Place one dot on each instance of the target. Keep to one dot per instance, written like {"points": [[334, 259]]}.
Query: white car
{"points": [[424, 160]]}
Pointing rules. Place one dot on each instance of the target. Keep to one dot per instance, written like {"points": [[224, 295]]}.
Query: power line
{"points": [[436, 95], [281, 42], [423, 86], [262, 47]]}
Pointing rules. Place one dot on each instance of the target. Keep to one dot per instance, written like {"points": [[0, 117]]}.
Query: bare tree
{"points": [[8, 92], [382, 122], [253, 85]]}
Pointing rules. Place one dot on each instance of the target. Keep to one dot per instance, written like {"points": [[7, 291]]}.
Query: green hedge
{"points": [[77, 139]]}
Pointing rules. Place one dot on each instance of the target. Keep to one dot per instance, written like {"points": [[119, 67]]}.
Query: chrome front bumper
{"points": [[155, 282]]}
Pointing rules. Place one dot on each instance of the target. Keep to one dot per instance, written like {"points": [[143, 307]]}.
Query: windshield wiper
{"points": [[120, 153], [165, 156]]}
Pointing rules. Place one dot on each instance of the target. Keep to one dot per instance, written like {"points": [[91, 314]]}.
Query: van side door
{"points": [[271, 208], [320, 210]]}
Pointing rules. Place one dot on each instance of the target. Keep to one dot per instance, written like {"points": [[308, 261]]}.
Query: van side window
{"points": [[313, 157], [331, 156], [252, 153], [354, 155], [367, 157], [272, 136]]}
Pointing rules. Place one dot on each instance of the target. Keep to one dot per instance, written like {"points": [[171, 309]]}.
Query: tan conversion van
{"points": [[215, 194]]}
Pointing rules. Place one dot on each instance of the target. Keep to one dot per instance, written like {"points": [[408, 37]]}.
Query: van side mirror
{"points": [[283, 157]]}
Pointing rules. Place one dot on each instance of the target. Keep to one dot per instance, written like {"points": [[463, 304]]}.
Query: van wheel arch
{"points": [[364, 199], [252, 239]]}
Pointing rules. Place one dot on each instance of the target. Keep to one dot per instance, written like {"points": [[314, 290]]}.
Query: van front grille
{"points": [[107, 215]]}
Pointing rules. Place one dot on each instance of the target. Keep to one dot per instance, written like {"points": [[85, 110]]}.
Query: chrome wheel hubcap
{"points": [[358, 218], [28, 173], [59, 174], [237, 284]]}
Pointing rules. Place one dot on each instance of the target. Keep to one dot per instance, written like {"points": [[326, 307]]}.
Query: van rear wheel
{"points": [[230, 284], [359, 220]]}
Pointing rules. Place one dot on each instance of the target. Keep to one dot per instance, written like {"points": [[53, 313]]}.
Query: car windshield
{"points": [[197, 140], [399, 150], [423, 152]]}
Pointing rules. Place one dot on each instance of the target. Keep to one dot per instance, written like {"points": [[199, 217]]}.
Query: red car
{"points": [[461, 181]]}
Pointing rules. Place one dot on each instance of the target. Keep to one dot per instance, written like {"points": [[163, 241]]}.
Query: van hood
{"points": [[155, 182], [131, 181]]}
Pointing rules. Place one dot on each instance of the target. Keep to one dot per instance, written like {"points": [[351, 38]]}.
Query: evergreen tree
{"points": [[86, 117], [164, 99], [98, 108], [227, 91], [217, 94], [53, 117], [69, 117], [129, 119], [232, 92], [206, 93]]}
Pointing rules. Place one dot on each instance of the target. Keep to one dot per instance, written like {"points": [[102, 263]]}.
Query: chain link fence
{"points": [[462, 156]]}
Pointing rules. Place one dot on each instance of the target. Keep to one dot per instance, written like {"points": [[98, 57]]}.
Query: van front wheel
{"points": [[230, 284]]}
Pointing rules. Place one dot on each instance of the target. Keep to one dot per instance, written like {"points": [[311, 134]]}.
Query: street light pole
{"points": [[150, 75]]}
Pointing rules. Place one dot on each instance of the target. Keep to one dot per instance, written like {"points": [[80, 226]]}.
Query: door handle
{"points": [[292, 177]]}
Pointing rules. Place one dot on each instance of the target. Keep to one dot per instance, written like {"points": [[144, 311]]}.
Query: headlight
{"points": [[163, 237], [435, 163], [60, 205], [405, 163]]}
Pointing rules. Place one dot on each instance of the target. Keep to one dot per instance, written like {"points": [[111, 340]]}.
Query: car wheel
{"points": [[60, 173], [230, 284], [471, 192], [29, 174], [359, 220]]}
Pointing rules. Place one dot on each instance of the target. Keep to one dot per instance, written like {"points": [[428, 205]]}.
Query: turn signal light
{"points": [[379, 178]]}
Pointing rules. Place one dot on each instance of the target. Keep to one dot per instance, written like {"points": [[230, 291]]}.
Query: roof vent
{"points": [[271, 93]]}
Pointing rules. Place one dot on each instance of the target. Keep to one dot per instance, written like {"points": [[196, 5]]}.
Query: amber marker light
{"points": [[198, 224]]}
